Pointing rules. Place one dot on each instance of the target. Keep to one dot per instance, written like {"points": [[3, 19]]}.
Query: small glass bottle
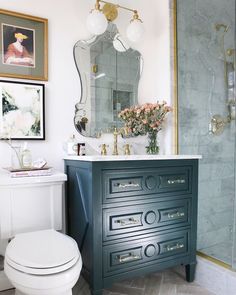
{"points": [[26, 158]]}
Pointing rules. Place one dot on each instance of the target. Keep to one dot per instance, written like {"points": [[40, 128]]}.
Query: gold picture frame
{"points": [[23, 46]]}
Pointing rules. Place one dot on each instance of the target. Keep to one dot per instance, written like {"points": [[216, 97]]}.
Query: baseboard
{"points": [[4, 282], [215, 278]]}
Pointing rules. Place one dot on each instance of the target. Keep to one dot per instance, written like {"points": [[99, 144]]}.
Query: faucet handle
{"points": [[103, 149], [127, 149], [116, 131]]}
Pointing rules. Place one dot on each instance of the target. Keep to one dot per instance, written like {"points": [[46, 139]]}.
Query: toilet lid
{"points": [[42, 250]]}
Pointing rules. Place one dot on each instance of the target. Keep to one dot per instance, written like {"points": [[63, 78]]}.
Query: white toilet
{"points": [[38, 260]]}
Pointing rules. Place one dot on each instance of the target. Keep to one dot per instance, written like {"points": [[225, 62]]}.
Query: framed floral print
{"points": [[23, 46], [21, 110]]}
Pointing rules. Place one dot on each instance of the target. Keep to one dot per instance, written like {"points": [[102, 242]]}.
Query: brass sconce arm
{"points": [[118, 6], [111, 10]]}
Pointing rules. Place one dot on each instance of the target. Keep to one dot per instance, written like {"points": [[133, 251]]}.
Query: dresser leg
{"points": [[190, 272]]}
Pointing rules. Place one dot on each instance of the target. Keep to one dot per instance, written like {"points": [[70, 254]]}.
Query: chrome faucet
{"points": [[115, 148]]}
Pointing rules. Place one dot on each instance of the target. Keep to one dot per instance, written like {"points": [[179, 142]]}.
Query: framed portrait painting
{"points": [[21, 110], [23, 46]]}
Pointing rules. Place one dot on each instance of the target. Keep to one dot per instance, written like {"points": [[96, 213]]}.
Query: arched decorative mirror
{"points": [[109, 73]]}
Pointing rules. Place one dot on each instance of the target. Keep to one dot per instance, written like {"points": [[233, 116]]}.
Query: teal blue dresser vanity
{"points": [[132, 215]]}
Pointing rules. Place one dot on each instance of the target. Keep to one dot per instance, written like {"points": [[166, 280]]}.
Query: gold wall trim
{"points": [[174, 78], [214, 260]]}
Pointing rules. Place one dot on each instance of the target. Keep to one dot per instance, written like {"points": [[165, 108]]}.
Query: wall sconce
{"points": [[98, 18]]}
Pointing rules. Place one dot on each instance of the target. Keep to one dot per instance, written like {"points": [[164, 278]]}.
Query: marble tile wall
{"points": [[202, 94]]}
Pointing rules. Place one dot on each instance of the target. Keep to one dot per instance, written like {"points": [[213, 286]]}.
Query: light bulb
{"points": [[96, 22], [135, 30], [120, 44]]}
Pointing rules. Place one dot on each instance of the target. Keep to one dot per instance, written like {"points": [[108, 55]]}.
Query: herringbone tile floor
{"points": [[162, 283]]}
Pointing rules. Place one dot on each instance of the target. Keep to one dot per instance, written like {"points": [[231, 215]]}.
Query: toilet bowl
{"points": [[43, 263]]}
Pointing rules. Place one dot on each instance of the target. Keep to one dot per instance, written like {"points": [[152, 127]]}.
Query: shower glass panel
{"points": [[206, 110]]}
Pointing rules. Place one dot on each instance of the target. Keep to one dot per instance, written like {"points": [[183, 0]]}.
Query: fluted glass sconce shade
{"points": [[96, 22], [135, 30]]}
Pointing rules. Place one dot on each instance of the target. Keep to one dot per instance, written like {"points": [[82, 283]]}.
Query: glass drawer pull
{"points": [[127, 221], [176, 247], [176, 181], [124, 185], [175, 215], [127, 258]]}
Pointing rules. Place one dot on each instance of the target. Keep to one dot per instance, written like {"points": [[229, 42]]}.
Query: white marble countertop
{"points": [[6, 179], [98, 158]]}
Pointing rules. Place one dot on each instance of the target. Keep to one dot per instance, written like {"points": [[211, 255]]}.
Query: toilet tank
{"points": [[30, 203]]}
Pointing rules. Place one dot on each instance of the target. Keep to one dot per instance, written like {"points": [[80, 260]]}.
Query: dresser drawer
{"points": [[137, 253], [131, 184], [120, 222]]}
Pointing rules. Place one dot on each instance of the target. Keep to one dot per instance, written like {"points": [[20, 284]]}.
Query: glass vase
{"points": [[16, 157], [152, 148]]}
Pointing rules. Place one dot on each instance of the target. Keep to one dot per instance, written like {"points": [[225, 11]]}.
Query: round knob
{"points": [[151, 182], [150, 250], [150, 217]]}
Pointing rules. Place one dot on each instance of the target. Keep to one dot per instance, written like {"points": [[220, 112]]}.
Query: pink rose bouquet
{"points": [[146, 119]]}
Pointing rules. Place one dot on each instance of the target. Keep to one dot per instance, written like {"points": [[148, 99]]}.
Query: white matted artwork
{"points": [[21, 110]]}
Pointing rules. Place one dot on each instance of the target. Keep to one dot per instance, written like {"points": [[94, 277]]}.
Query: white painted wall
{"points": [[67, 25]]}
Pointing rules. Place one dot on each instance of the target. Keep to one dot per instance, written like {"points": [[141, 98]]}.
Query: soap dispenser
{"points": [[26, 158]]}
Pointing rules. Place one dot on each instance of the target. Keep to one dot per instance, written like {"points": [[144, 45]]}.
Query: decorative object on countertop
{"points": [[21, 158], [15, 152], [15, 156], [39, 163], [146, 119], [27, 168], [71, 147], [23, 46], [22, 112], [81, 149]]}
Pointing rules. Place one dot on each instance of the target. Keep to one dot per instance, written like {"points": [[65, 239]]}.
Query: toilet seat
{"points": [[41, 271], [42, 253]]}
